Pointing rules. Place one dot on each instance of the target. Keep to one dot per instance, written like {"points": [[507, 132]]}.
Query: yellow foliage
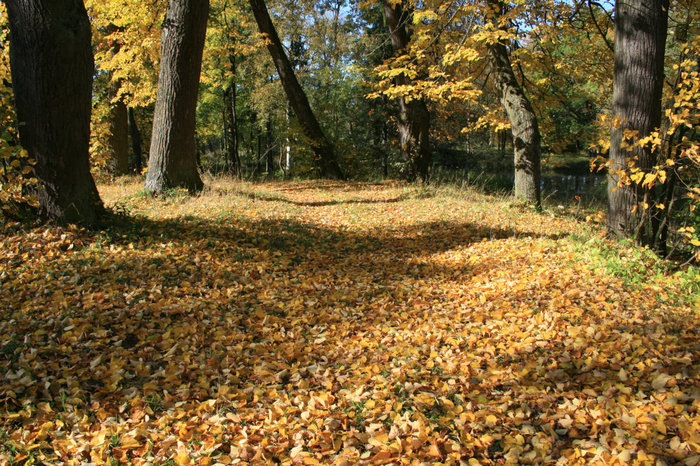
{"points": [[336, 323]]}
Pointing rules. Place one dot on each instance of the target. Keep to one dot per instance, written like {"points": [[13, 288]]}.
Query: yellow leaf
{"points": [[129, 442], [379, 439], [182, 458], [660, 381], [661, 424]]}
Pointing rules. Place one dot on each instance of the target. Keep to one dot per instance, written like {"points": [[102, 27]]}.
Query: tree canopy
{"points": [[349, 232]]}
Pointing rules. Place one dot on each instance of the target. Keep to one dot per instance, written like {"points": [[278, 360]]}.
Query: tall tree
{"points": [[320, 145], [119, 137], [52, 68], [640, 41], [414, 118], [522, 117], [231, 136], [173, 160], [135, 136]]}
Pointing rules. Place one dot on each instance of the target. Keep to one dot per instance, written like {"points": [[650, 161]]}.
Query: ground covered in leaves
{"points": [[327, 323]]}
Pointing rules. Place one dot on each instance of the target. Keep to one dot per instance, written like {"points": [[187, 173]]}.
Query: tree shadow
{"points": [[141, 279], [279, 198], [153, 315]]}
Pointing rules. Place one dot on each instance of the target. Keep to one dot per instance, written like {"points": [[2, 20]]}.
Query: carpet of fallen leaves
{"points": [[329, 323]]}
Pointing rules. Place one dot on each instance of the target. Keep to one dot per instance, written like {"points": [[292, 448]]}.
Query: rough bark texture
{"points": [[173, 158], [640, 40], [135, 135], [414, 117], [119, 137], [522, 117], [52, 67], [320, 145]]}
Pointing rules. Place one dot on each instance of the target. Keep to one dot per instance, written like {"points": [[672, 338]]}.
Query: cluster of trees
{"points": [[341, 88]]}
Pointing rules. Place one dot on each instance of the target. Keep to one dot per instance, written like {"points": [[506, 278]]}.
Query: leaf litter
{"points": [[336, 323]]}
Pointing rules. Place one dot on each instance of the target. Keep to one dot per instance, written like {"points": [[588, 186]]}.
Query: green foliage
{"points": [[638, 267]]}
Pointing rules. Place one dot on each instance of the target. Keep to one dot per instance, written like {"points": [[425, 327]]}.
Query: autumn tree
{"points": [[640, 38], [52, 68], [414, 117], [322, 148], [126, 38], [172, 160], [522, 117]]}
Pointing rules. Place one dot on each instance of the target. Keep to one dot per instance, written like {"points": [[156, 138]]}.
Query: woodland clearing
{"points": [[323, 322]]}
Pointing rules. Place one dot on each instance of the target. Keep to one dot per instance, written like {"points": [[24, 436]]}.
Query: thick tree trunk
{"points": [[173, 155], [640, 41], [320, 145], [119, 137], [522, 117], [414, 117], [135, 141], [52, 68]]}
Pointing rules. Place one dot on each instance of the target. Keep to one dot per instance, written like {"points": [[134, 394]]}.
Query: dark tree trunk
{"points": [[320, 145], [269, 149], [118, 141], [233, 160], [119, 137], [258, 155], [414, 117], [173, 155], [502, 142], [52, 68], [640, 41], [523, 121], [135, 141]]}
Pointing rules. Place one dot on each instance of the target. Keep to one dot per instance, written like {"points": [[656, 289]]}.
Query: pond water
{"points": [[590, 187]]}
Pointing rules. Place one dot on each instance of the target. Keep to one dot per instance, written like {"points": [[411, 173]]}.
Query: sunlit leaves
{"points": [[337, 323]]}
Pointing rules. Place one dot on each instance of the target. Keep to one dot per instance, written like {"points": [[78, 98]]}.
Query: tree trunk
{"points": [[118, 141], [173, 155], [52, 68], [119, 137], [135, 141], [269, 149], [320, 145], [414, 117], [233, 160], [523, 121], [640, 41]]}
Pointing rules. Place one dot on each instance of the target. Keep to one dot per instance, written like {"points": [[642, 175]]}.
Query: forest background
{"points": [[417, 98], [288, 256]]}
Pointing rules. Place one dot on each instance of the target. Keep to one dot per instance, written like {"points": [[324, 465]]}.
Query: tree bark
{"points": [[414, 117], [135, 141], [522, 117], [320, 145], [640, 41], [233, 161], [269, 149], [119, 137], [118, 141], [173, 155], [52, 67]]}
